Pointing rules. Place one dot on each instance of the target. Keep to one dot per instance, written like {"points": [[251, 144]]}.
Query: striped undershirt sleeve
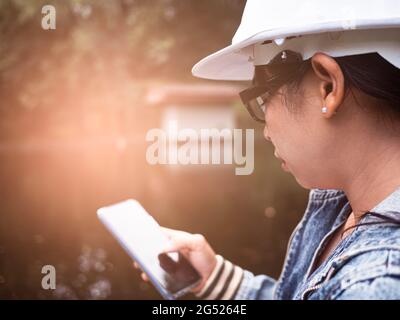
{"points": [[223, 282]]}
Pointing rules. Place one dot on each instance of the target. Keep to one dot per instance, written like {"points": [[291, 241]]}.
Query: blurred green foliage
{"points": [[99, 46], [120, 39]]}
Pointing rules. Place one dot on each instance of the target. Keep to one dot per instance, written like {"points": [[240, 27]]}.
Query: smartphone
{"points": [[141, 236]]}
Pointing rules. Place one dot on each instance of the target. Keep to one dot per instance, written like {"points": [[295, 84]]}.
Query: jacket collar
{"points": [[390, 204]]}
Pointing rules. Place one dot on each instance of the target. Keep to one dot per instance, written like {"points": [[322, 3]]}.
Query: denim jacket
{"points": [[364, 265]]}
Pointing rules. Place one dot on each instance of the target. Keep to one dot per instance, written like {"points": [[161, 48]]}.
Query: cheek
{"points": [[292, 139], [282, 129]]}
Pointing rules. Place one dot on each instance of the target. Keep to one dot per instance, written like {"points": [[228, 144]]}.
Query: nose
{"points": [[266, 136]]}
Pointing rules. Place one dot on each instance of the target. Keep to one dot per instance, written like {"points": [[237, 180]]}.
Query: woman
{"points": [[330, 99]]}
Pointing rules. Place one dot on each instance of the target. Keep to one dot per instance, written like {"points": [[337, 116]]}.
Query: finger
{"points": [[184, 241], [135, 264], [144, 277], [172, 232]]}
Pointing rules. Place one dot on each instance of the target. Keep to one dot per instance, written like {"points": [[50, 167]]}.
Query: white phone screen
{"points": [[143, 239]]}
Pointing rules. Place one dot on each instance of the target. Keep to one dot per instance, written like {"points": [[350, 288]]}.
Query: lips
{"points": [[278, 157], [283, 164]]}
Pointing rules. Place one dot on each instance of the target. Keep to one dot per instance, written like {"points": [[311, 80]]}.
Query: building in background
{"points": [[197, 107]]}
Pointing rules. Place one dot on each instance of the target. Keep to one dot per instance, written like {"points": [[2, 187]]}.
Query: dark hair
{"points": [[369, 73]]}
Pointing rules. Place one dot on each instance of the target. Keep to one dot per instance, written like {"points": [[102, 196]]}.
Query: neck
{"points": [[374, 177]]}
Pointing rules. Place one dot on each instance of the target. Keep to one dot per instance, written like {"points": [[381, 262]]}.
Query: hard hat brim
{"points": [[234, 62]]}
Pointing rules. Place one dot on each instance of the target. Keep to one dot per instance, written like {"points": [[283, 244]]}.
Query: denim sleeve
{"points": [[255, 287], [381, 288], [228, 281]]}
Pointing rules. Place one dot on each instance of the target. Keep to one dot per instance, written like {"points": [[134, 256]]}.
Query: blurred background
{"points": [[76, 104]]}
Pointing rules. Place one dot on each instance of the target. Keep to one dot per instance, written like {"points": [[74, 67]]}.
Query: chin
{"points": [[308, 181], [305, 183]]}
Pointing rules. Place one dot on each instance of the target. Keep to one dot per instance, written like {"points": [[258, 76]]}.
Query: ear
{"points": [[331, 82]]}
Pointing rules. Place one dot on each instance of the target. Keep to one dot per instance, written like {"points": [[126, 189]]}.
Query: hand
{"points": [[195, 248]]}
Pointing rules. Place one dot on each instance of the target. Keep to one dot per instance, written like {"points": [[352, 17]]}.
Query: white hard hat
{"points": [[338, 28]]}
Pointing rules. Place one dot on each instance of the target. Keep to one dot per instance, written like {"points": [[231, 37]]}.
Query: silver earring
{"points": [[324, 109]]}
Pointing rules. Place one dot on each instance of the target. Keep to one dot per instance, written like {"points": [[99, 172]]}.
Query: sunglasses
{"points": [[283, 67]]}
